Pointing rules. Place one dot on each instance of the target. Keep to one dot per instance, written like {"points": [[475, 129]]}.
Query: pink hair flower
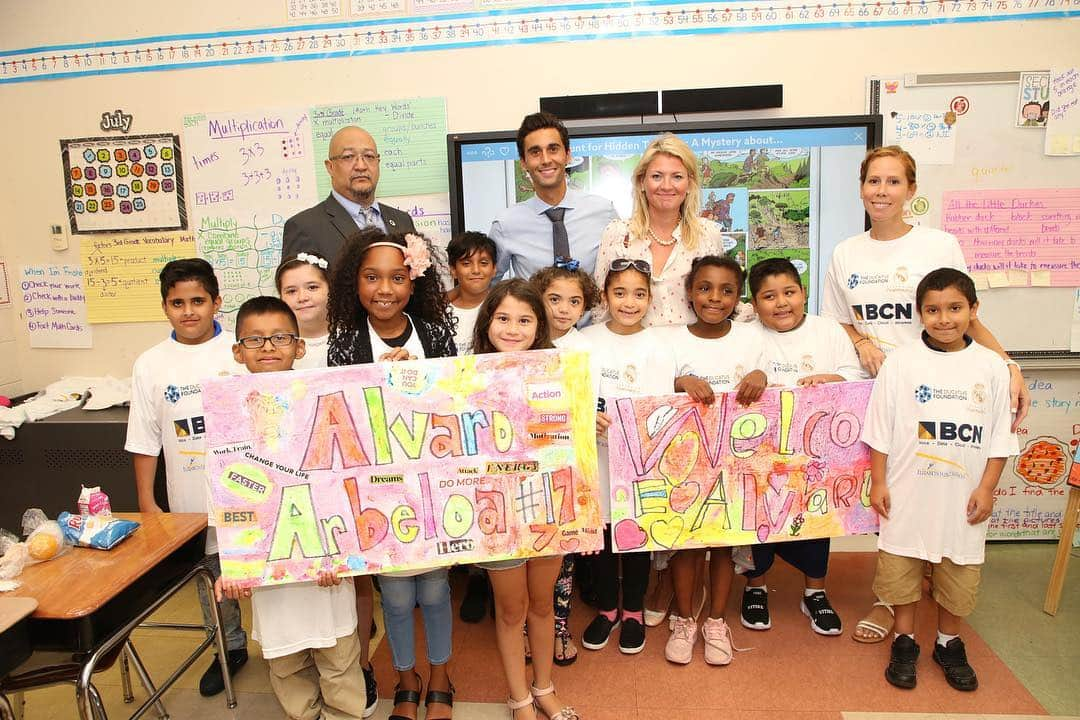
{"points": [[417, 255]]}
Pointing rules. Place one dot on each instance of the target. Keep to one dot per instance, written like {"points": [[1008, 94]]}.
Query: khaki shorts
{"points": [[898, 581]]}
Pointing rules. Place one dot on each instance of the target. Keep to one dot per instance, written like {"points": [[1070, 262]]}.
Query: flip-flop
{"points": [[873, 624]]}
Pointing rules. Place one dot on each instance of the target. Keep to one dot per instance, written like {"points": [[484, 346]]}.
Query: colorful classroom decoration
{"points": [[405, 465], [54, 306], [118, 184], [788, 467], [382, 26], [121, 273]]}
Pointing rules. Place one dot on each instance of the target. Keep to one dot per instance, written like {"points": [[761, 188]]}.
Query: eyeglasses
{"points": [[620, 264], [257, 342], [349, 157]]}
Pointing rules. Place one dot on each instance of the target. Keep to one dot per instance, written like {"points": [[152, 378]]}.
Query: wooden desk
{"points": [[89, 601], [15, 645]]}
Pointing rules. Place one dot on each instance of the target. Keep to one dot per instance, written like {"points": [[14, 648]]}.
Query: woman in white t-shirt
{"points": [[870, 291], [303, 283]]}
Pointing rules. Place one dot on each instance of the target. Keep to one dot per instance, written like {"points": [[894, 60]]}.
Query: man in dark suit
{"points": [[353, 167]]}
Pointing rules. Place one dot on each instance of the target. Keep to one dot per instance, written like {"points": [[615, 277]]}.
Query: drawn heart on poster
{"points": [[666, 532], [680, 457], [569, 545], [658, 419], [629, 535], [683, 496]]}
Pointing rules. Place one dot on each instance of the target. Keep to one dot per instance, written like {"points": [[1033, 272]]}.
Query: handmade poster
{"points": [[1033, 100], [54, 306], [121, 273], [397, 466], [789, 467], [134, 182], [1063, 121], [1018, 237]]}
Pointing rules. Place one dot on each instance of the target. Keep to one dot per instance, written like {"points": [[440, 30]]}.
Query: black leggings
{"points": [[635, 577], [811, 557]]}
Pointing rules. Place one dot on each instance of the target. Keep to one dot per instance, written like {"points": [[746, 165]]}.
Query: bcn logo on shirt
{"points": [[186, 427], [945, 430], [882, 311]]}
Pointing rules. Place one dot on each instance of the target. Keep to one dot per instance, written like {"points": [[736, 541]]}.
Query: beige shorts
{"points": [[898, 581]]}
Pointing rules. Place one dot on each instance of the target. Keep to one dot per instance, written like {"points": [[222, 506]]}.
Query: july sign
{"points": [[789, 467], [396, 466]]}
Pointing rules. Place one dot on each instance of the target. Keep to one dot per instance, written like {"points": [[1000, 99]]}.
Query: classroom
{"points": [[182, 106]]}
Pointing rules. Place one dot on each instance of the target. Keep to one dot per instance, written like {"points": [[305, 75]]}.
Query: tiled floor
{"points": [[1027, 663]]}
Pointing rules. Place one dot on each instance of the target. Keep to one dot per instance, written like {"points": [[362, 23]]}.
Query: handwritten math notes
{"points": [[54, 306], [133, 182], [1034, 234], [924, 134], [403, 465], [121, 273]]}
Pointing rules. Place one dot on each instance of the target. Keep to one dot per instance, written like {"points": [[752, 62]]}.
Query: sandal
{"points": [[443, 697], [515, 705], [407, 696], [567, 713], [564, 643], [876, 626]]}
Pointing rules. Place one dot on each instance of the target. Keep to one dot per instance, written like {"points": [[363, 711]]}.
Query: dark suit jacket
{"points": [[323, 229]]}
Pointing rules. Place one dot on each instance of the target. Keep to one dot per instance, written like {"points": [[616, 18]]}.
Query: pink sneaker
{"points": [[717, 636], [680, 646]]}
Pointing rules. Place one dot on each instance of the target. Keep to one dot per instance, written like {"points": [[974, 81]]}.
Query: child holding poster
{"points": [[801, 350], [938, 427], [512, 319], [711, 355], [307, 631], [568, 293], [167, 416], [386, 304], [626, 362]]}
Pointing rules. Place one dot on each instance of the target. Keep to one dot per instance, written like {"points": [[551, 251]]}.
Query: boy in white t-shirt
{"points": [[938, 425], [472, 257], [307, 630], [800, 350], [166, 415]]}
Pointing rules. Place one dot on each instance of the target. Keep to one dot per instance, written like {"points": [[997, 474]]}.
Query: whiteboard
{"points": [[992, 153]]}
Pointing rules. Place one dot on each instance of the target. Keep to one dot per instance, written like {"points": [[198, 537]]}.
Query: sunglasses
{"points": [[620, 264]]}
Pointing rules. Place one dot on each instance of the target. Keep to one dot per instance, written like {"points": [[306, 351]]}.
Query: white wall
{"points": [[822, 71]]}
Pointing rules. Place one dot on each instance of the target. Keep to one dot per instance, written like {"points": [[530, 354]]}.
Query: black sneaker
{"points": [[953, 660], [474, 606], [372, 691], [598, 633], [212, 682], [631, 636], [755, 609], [823, 619], [901, 670]]}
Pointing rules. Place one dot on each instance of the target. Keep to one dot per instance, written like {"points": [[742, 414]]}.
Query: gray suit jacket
{"points": [[324, 228]]}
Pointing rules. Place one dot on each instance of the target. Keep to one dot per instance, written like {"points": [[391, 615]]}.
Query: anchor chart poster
{"points": [[404, 465], [788, 467]]}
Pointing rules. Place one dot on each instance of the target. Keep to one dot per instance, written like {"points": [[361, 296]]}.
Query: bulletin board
{"points": [[990, 154]]}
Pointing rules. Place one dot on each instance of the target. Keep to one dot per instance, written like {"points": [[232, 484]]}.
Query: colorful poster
{"points": [[1033, 100], [54, 306], [789, 467], [1063, 120], [134, 182], [397, 466], [121, 273], [1007, 234]]}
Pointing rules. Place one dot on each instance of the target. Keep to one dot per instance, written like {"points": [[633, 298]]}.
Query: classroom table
{"points": [[89, 601]]}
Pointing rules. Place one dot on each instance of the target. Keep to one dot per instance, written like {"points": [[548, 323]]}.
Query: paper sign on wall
{"points": [[395, 466], [1033, 100], [924, 134], [121, 273], [1063, 122], [54, 306], [789, 467]]}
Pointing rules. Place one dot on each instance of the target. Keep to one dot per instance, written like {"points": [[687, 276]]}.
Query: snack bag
{"points": [[94, 531]]}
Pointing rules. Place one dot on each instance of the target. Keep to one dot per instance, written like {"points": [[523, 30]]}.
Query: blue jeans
{"points": [[235, 637], [399, 597]]}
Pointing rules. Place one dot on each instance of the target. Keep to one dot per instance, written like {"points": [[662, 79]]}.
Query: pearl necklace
{"points": [[658, 241]]}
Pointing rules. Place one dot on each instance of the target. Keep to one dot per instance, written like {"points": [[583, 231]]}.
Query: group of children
{"points": [[383, 302]]}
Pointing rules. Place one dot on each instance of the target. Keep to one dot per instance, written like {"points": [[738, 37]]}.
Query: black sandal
{"points": [[441, 697], [407, 696], [563, 638]]}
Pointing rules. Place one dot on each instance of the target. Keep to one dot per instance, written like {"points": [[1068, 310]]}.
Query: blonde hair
{"points": [[893, 151], [692, 226]]}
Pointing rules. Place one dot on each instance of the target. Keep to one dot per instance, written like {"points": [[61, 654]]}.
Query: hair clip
{"points": [[416, 252], [312, 259], [567, 263]]}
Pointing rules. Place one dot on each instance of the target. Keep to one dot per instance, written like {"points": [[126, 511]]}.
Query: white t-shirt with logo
{"points": [[939, 416], [624, 366], [314, 355], [871, 284], [721, 362], [466, 322], [167, 414], [286, 619], [819, 345]]}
